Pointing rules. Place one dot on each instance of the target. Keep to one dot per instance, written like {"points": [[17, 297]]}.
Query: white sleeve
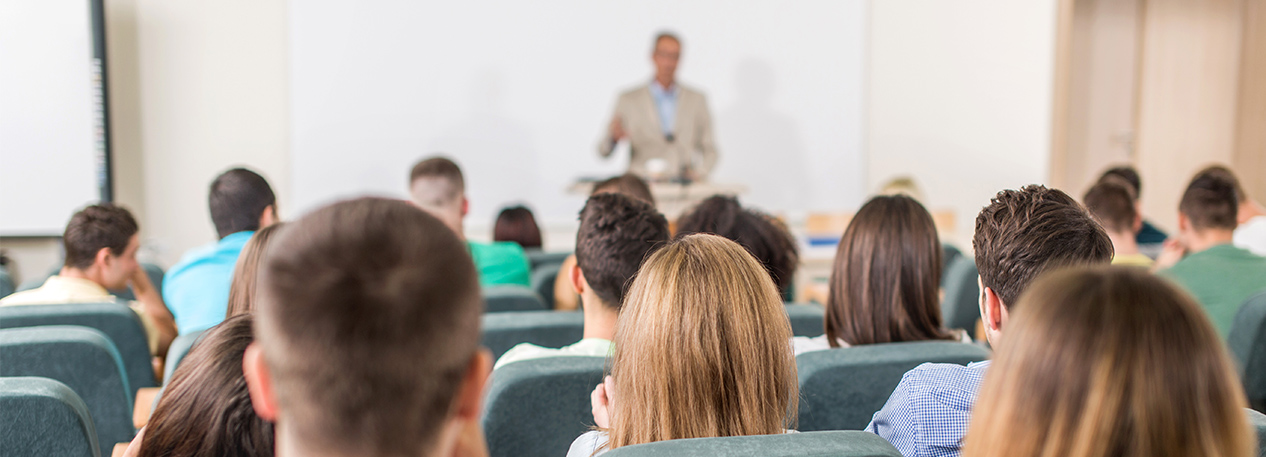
{"points": [[587, 445]]}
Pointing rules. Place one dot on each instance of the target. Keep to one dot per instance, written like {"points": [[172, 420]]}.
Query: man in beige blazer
{"points": [[668, 125]]}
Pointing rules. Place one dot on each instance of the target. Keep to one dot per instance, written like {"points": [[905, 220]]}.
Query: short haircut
{"points": [[1129, 174], [628, 184], [616, 234], [762, 235], [447, 171], [1111, 202], [368, 316], [237, 199], [1024, 233], [518, 225], [1226, 173], [1210, 202], [664, 35], [95, 227]]}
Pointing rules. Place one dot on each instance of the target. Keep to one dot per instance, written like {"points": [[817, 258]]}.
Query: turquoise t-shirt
{"points": [[501, 262], [1221, 278], [196, 289]]}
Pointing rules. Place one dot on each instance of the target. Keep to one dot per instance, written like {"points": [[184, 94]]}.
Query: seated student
{"points": [[1020, 235], [702, 349], [517, 224], [1111, 202], [437, 186], [246, 273], [1135, 370], [616, 234], [874, 301], [762, 235], [1220, 275], [197, 287], [205, 409], [629, 185], [1250, 230], [367, 335], [100, 243], [1149, 237]]}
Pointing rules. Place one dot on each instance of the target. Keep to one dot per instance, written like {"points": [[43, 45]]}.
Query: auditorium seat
{"points": [[840, 389], [806, 319], [538, 258], [83, 359], [536, 408], [960, 309], [543, 283], [949, 253], [118, 322], [499, 299], [179, 348], [818, 444], [43, 417], [6, 282], [553, 329], [1247, 342]]}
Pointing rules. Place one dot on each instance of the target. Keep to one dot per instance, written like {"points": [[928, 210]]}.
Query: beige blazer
{"points": [[692, 146]]}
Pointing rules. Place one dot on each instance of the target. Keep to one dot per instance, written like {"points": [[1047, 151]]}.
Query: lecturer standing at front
{"points": [[667, 125]]}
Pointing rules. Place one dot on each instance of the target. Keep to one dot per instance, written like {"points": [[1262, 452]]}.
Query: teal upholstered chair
{"points": [[83, 359], [501, 331], [806, 319], [42, 417], [179, 348], [538, 258], [1247, 342], [961, 307], [818, 444], [840, 389], [543, 283], [118, 322], [536, 408], [949, 253], [6, 282], [499, 299]]}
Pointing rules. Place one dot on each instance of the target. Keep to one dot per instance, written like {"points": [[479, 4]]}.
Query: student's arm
{"points": [[152, 305]]}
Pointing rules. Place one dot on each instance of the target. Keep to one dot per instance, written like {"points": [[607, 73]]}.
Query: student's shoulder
{"points": [[523, 351], [934, 380]]}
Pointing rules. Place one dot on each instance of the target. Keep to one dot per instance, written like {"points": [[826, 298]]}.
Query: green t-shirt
{"points": [[1221, 278], [501, 262]]}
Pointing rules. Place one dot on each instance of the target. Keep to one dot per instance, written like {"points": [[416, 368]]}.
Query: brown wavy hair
{"points": [[246, 272]]}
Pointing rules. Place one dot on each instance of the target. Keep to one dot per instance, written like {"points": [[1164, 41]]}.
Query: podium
{"points": [[672, 198]]}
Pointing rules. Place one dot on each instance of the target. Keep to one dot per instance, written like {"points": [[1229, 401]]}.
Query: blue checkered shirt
{"points": [[928, 413]]}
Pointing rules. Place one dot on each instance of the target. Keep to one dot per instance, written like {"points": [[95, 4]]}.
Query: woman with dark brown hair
{"points": [[517, 224], [885, 287], [764, 236], [246, 273]]}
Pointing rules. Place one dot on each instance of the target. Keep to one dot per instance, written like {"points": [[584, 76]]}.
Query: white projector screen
{"points": [[53, 135], [520, 92]]}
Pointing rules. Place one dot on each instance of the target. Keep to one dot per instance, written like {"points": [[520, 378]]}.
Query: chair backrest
{"points": [[115, 320], [961, 306], [840, 389], [1258, 421], [179, 348], [536, 408], [1247, 341], [40, 416], [6, 282], [537, 258], [83, 359], [543, 282], [806, 319], [949, 253], [824, 444], [552, 329], [499, 299]]}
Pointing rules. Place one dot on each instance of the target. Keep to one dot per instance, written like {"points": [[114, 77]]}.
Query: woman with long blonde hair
{"points": [[702, 349], [1110, 361]]}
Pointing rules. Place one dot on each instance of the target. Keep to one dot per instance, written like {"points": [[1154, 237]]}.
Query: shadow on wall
{"points": [[759, 146]]}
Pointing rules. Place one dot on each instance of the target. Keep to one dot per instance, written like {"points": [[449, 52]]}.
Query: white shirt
{"points": [[588, 347], [1251, 235], [588, 445], [803, 344]]}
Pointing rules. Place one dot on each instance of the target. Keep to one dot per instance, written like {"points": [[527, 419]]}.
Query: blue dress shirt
{"points": [[928, 413], [665, 106], [196, 289]]}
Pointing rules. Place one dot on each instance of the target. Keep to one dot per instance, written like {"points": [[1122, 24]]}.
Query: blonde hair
{"points": [[702, 348], [1109, 361]]}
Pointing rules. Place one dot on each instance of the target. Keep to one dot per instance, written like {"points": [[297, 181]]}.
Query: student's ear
{"points": [[1138, 222], [578, 283], [470, 395], [259, 383], [269, 216], [1184, 224], [465, 206]]}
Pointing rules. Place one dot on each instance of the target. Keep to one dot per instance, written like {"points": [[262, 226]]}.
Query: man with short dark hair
{"points": [[367, 336], [1220, 275], [1148, 238], [197, 287], [101, 243], [1250, 229], [1020, 235], [616, 233], [1111, 202], [437, 186]]}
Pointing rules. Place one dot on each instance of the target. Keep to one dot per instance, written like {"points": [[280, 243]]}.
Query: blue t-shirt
{"points": [[196, 289]]}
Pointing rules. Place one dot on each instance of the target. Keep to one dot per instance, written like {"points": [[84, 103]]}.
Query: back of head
{"points": [[1111, 202], [761, 234], [616, 234], [1211, 201], [368, 316], [237, 199], [436, 184], [702, 348], [1227, 175], [1110, 361], [517, 224], [95, 227], [885, 286], [1024, 233], [246, 272], [205, 409], [1129, 175], [628, 184]]}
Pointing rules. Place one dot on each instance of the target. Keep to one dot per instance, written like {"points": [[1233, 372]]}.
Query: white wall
{"points": [[960, 98]]}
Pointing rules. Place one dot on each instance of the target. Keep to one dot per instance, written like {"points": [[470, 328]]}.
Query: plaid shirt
{"points": [[927, 415]]}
